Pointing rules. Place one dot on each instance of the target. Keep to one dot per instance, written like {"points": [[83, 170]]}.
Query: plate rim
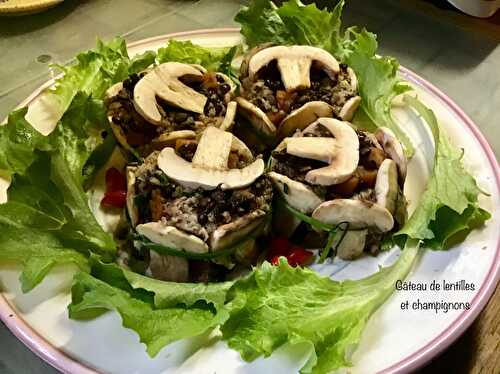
{"points": [[66, 364]]}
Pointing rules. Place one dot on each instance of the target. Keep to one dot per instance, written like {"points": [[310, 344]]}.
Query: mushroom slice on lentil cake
{"points": [[151, 110], [285, 88], [202, 200], [339, 175]]}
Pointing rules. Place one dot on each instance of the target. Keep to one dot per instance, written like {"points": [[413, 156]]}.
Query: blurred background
{"points": [[458, 53]]}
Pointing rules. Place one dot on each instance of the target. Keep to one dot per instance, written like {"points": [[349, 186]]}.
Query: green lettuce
{"points": [[48, 172], [257, 314], [296, 23], [295, 305], [92, 73], [160, 312], [38, 251], [212, 59], [46, 195], [448, 210]]}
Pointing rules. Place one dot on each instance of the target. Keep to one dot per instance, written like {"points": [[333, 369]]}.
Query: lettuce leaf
{"points": [[39, 251], [155, 327], [212, 59], [257, 314], [49, 169], [160, 312], [295, 305], [46, 195], [296, 23], [448, 209], [92, 74]]}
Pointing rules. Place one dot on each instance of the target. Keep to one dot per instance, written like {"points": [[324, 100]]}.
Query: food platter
{"points": [[102, 345]]}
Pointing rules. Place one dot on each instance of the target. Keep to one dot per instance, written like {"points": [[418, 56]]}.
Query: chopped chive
{"points": [[342, 227], [329, 243], [305, 218]]}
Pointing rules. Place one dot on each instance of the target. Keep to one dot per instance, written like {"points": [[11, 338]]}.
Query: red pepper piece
{"points": [[115, 181], [114, 199], [279, 246], [275, 260], [299, 257]]}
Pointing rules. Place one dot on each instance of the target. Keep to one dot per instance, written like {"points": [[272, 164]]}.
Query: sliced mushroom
{"points": [[386, 185], [248, 56], [132, 210], [353, 79], [346, 157], [256, 117], [360, 214], [209, 167], [296, 194], [227, 235], [172, 237], [163, 82], [229, 95], [241, 149], [117, 130], [352, 245], [168, 139], [302, 117], [393, 148], [188, 175], [228, 121], [320, 149], [168, 268], [349, 108], [113, 90], [213, 149], [294, 63]]}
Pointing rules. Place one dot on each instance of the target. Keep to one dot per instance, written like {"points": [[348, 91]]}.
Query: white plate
{"points": [[394, 340]]}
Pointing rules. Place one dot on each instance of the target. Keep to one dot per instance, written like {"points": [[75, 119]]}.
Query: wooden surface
{"points": [[478, 350]]}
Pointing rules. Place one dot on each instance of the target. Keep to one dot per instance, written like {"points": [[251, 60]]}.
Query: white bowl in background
{"points": [[477, 8]]}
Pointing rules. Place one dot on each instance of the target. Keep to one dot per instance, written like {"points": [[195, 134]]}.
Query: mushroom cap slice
{"points": [[349, 108], [352, 245], [132, 210], [226, 235], [241, 149], [191, 176], [393, 148], [257, 117], [302, 117], [163, 82], [117, 130], [294, 63], [359, 213], [229, 95], [346, 156], [228, 121], [320, 149], [353, 79], [386, 185], [167, 268], [248, 56], [113, 90], [168, 139], [213, 149], [172, 237], [296, 194]]}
